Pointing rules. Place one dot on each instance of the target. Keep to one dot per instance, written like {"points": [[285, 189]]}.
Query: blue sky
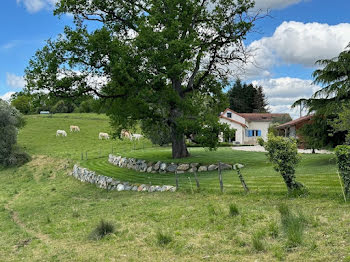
{"points": [[284, 50]]}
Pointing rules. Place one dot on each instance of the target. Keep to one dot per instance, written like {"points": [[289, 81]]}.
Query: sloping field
{"points": [[46, 215]]}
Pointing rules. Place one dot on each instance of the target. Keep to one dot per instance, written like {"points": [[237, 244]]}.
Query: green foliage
{"points": [[342, 122], [103, 229], [293, 225], [333, 76], [17, 157], [315, 133], [163, 239], [273, 229], [343, 162], [245, 98], [147, 74], [260, 141], [233, 210], [258, 241], [10, 121], [283, 154], [279, 120], [60, 107], [22, 103], [158, 133]]}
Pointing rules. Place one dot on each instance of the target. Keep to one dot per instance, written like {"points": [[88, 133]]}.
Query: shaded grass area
{"points": [[158, 226]]}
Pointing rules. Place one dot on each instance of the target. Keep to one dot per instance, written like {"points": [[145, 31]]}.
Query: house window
{"points": [[253, 133], [229, 115]]}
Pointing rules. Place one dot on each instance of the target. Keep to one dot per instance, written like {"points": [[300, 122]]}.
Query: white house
{"points": [[249, 126]]}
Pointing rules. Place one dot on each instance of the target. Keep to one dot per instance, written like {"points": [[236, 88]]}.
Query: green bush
{"points": [[103, 229], [283, 154], [343, 162], [17, 158], [10, 121]]}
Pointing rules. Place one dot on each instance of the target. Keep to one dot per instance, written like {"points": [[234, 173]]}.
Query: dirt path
{"points": [[14, 215]]}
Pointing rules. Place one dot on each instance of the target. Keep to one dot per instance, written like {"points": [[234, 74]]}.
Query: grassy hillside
{"points": [[46, 215]]}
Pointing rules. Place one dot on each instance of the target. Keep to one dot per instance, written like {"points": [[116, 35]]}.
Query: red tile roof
{"points": [[256, 116], [296, 121]]}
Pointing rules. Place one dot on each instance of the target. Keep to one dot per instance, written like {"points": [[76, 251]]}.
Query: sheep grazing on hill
{"points": [[103, 136], [136, 136], [61, 133], [74, 128], [125, 133]]}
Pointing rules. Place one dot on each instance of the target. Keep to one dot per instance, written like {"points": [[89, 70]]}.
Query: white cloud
{"points": [[15, 81], [6, 96], [296, 43], [34, 6], [274, 4], [283, 92]]}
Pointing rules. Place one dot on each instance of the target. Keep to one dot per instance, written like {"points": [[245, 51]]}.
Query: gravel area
{"points": [[261, 149]]}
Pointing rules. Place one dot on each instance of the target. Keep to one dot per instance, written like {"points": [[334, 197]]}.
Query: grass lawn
{"points": [[46, 215]]}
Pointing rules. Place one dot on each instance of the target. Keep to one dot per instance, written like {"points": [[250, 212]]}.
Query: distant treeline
{"points": [[33, 103]]}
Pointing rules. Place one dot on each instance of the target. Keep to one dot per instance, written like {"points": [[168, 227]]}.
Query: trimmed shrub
{"points": [[343, 162], [283, 154], [103, 229]]}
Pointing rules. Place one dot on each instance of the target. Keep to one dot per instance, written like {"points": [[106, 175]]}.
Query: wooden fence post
{"points": [[220, 178], [177, 180], [242, 180], [196, 178], [86, 156], [82, 155]]}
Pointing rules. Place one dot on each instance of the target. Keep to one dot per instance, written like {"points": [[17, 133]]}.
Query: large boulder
{"points": [[225, 166], [192, 169], [171, 168], [212, 167], [202, 168], [183, 167], [163, 167], [157, 166], [120, 187]]}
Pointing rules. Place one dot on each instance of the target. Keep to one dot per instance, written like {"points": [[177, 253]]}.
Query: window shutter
{"points": [[250, 133], [259, 132]]}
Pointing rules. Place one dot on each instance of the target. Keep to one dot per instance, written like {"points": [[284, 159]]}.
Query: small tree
{"points": [[283, 154], [10, 121], [343, 162]]}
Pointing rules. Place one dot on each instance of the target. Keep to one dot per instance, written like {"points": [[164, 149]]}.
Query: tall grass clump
{"points": [[257, 241], [163, 239], [293, 225], [233, 210], [103, 229]]}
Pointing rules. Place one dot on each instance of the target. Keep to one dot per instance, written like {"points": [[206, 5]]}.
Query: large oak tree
{"points": [[150, 59]]}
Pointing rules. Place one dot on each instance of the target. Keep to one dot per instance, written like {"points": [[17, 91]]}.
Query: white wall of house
{"points": [[240, 131], [235, 117], [262, 126]]}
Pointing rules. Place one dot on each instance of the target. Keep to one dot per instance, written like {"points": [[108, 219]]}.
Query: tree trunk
{"points": [[291, 184], [179, 148]]}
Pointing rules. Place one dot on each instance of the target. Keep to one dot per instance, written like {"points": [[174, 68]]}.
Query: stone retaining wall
{"points": [[161, 167], [109, 183]]}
